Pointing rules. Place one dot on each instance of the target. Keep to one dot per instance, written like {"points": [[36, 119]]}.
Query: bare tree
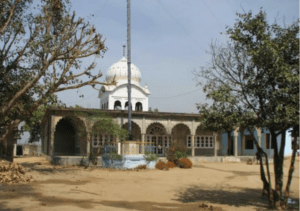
{"points": [[42, 54]]}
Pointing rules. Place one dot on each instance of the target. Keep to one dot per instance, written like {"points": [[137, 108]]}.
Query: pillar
{"points": [[215, 144], [15, 150], [236, 135], [143, 144], [193, 145], [88, 146], [118, 145], [235, 146]]}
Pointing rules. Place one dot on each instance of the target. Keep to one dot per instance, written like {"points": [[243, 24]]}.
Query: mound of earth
{"points": [[13, 173]]}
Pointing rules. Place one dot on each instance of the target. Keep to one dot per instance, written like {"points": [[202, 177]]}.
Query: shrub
{"points": [[185, 163], [170, 164], [141, 167], [176, 152], [161, 165], [150, 157], [180, 154], [249, 162]]}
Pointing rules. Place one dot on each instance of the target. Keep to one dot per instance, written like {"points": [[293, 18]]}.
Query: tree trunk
{"points": [[7, 150], [267, 185], [291, 170], [228, 140], [277, 170]]}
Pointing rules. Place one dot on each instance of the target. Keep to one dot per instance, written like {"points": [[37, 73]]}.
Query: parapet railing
{"points": [[136, 147]]}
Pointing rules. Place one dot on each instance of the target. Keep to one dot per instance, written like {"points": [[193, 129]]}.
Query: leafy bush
{"points": [[170, 164], [185, 163], [141, 167], [176, 152], [161, 166], [180, 154], [93, 158], [115, 156], [150, 157]]}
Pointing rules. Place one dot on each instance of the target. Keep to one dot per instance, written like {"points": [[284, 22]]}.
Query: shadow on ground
{"points": [[237, 173], [235, 196], [13, 192], [47, 169], [191, 198]]}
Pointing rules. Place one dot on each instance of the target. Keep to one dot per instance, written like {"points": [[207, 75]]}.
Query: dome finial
{"points": [[124, 46]]}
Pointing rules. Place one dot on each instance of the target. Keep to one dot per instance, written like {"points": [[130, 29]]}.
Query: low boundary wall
{"points": [[82, 160]]}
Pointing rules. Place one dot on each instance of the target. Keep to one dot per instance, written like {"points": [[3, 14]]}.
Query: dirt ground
{"points": [[226, 186]]}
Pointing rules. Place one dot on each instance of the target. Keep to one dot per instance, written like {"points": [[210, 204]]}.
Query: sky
{"points": [[169, 40]]}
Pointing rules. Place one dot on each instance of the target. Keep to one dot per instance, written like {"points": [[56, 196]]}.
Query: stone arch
{"points": [[156, 129], [135, 130], [138, 106], [180, 133], [156, 133], [117, 105], [70, 137]]}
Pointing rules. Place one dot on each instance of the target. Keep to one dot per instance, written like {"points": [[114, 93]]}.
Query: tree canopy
{"points": [[253, 81], [42, 53]]}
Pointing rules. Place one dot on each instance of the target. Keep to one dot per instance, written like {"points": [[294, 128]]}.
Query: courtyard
{"points": [[229, 186]]}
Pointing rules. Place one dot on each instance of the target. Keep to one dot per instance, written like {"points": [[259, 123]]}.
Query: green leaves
{"points": [[254, 78]]}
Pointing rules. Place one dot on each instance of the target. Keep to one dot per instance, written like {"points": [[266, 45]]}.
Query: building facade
{"points": [[67, 133]]}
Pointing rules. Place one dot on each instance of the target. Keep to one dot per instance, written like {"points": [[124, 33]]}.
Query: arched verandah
{"points": [[70, 137], [156, 133], [135, 130], [181, 137]]}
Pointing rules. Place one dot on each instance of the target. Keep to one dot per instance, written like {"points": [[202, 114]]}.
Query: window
{"points": [[211, 142], [201, 142], [118, 105], [95, 141], [138, 106], [100, 139], [198, 142], [189, 142], [249, 142]]}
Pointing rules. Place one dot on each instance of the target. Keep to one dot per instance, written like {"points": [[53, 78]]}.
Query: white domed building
{"points": [[115, 97]]}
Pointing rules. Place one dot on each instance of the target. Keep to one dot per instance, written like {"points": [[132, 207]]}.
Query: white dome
{"points": [[118, 71]]}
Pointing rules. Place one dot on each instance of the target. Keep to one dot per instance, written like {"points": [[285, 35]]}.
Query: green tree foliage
{"points": [[253, 82], [33, 123], [100, 122], [41, 54]]}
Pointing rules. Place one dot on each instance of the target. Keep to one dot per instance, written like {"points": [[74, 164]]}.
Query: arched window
{"points": [[117, 105], [126, 106], [138, 106]]}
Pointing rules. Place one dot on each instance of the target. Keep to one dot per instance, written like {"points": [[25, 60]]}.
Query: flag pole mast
{"points": [[129, 69]]}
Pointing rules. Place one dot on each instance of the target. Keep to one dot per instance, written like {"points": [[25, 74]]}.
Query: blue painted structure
{"points": [[127, 162], [241, 147]]}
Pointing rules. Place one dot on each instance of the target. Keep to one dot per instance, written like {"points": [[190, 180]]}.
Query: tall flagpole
{"points": [[129, 68]]}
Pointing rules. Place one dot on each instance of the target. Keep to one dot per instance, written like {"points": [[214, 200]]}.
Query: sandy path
{"points": [[231, 186]]}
